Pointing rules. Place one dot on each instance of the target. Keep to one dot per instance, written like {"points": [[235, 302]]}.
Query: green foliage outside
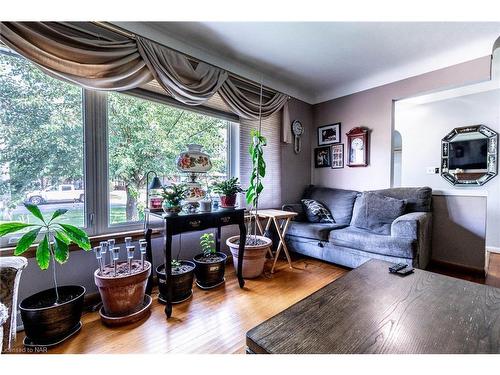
{"points": [[41, 140]]}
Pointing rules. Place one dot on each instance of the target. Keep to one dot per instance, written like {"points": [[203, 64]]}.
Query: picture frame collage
{"points": [[330, 153]]}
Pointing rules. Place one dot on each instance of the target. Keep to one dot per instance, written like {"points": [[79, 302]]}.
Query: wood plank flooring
{"points": [[216, 321], [213, 321]]}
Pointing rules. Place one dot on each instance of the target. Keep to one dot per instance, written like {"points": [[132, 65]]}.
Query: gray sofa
{"points": [[409, 240]]}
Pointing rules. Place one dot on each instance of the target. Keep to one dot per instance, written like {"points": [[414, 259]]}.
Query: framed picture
{"points": [[338, 156], [322, 157], [329, 134]]}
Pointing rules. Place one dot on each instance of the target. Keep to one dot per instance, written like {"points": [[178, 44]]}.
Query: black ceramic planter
{"points": [[182, 286], [46, 323], [209, 275]]}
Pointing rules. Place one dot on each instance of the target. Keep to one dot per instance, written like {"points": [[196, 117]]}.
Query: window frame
{"points": [[95, 155], [96, 104]]}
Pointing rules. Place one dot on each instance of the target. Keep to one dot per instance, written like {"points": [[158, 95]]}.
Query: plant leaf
{"points": [[58, 212], [62, 237], [26, 241], [76, 235], [33, 208], [12, 227], [43, 253], [61, 252]]}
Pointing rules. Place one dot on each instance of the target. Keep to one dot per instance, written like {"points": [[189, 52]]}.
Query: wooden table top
{"points": [[370, 310], [278, 214]]}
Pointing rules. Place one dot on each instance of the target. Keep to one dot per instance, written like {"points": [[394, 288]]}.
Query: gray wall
{"points": [[296, 168], [373, 109]]}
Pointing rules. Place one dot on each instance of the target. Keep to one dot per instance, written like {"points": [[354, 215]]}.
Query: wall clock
{"points": [[357, 146], [297, 131]]}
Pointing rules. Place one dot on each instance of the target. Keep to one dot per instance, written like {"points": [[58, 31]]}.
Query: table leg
{"points": [[168, 270], [268, 225], [241, 251], [149, 258], [281, 243], [217, 239]]}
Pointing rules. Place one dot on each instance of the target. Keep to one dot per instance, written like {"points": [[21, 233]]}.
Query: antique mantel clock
{"points": [[357, 146]]}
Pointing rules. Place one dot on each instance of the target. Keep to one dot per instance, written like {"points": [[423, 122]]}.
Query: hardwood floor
{"points": [[216, 321], [213, 321]]}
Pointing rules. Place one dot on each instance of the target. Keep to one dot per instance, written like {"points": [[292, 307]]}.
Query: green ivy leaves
{"points": [[259, 167]]}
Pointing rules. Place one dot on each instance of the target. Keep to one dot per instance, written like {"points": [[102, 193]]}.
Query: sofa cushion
{"points": [[339, 202], [316, 212], [418, 199], [375, 212], [315, 231], [361, 239]]}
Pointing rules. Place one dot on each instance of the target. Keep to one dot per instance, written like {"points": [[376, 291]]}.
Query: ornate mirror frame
{"points": [[492, 156]]}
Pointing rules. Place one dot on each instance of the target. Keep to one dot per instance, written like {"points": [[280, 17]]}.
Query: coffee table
{"points": [[369, 310]]}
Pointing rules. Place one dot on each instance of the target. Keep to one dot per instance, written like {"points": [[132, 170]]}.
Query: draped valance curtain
{"points": [[123, 65]]}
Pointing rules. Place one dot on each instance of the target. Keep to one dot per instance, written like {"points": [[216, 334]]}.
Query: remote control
{"points": [[397, 267], [405, 271]]}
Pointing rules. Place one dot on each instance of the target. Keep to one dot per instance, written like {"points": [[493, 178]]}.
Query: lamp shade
{"points": [[194, 160], [155, 183]]}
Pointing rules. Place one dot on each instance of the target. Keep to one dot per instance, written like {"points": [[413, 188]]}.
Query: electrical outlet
{"points": [[432, 170]]}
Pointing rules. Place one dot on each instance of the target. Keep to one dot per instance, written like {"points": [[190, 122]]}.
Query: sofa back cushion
{"points": [[376, 212], [339, 202], [418, 199]]}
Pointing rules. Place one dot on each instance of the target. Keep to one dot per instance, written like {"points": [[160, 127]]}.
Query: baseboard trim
{"points": [[457, 268]]}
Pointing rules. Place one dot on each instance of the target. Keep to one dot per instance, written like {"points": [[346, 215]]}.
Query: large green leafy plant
{"points": [[256, 151], [56, 239]]}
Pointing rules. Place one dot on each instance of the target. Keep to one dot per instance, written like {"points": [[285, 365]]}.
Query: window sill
{"points": [[94, 241]]}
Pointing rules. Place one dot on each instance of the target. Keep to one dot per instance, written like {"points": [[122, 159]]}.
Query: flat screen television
{"points": [[470, 154]]}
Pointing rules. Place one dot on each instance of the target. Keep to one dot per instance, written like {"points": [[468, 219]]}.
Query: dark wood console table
{"points": [[183, 223]]}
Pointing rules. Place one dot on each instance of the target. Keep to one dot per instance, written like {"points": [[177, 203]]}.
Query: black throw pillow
{"points": [[316, 212]]}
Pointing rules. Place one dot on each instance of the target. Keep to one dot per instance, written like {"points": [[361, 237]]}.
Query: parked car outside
{"points": [[60, 193]]}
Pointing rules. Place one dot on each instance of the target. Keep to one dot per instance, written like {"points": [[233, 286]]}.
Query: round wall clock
{"points": [[297, 131]]}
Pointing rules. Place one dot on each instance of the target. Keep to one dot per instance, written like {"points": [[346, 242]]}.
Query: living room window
{"points": [[41, 143], [144, 135], [89, 151]]}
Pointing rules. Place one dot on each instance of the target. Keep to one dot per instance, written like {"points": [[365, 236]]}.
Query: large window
{"points": [[41, 142], [62, 146], [144, 135]]}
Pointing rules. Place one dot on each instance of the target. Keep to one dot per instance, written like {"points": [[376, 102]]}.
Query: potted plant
{"points": [[52, 315], [227, 190], [122, 286], [172, 198], [210, 265], [256, 246], [182, 280]]}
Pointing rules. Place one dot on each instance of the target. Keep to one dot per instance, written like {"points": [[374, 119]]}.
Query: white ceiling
{"points": [[318, 61]]}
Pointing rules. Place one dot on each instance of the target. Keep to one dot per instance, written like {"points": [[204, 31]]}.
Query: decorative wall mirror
{"points": [[469, 155]]}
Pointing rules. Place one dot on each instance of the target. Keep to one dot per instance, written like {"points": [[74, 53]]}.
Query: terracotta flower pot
{"points": [[254, 256], [122, 295], [228, 201]]}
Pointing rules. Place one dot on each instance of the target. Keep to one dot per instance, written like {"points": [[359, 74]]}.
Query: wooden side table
{"points": [[185, 222], [281, 219]]}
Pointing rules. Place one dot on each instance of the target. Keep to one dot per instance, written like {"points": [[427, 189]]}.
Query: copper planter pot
{"points": [[123, 295]]}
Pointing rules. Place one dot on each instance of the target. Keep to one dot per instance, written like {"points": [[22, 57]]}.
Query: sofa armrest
{"points": [[295, 207], [409, 225]]}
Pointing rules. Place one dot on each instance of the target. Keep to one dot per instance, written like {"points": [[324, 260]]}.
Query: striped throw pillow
{"points": [[316, 212]]}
